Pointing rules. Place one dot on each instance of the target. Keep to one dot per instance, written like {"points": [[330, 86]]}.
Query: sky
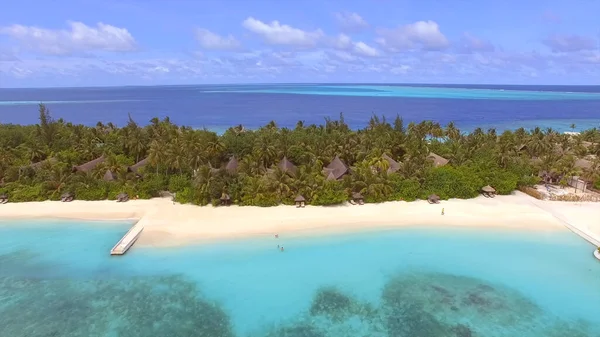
{"points": [[158, 42]]}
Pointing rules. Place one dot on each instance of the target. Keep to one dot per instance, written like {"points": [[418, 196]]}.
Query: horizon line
{"points": [[306, 83]]}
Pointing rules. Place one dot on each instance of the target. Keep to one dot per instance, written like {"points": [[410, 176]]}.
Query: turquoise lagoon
{"points": [[57, 279]]}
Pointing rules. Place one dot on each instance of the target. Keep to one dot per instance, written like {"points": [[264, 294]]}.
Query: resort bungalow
{"points": [[89, 166], [109, 176], [437, 160], [286, 166], [300, 201], [583, 164], [488, 191], [336, 169], [232, 165], [433, 199], [357, 198], [135, 167], [225, 199], [394, 166], [39, 164]]}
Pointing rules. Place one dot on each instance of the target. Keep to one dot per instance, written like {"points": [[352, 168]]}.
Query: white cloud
{"points": [[363, 49], [212, 41], [276, 33], [78, 38], [341, 41], [350, 21], [424, 35], [344, 42]]}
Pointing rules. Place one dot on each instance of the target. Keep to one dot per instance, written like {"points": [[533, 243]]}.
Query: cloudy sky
{"points": [[146, 42]]}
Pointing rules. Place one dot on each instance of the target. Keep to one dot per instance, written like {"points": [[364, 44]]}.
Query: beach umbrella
{"points": [[299, 198], [488, 189], [357, 196], [433, 199]]}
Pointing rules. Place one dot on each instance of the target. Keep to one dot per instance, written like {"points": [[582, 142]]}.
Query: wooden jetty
{"points": [[128, 239]]}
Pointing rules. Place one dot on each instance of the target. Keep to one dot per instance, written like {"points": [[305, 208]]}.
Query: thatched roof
{"points": [[138, 165], [357, 196], [521, 147], [394, 165], [39, 164], [336, 168], [330, 176], [299, 198], [583, 164], [587, 144], [437, 160], [232, 165], [109, 176], [488, 189], [225, 197], [90, 165], [433, 197], [286, 166]]}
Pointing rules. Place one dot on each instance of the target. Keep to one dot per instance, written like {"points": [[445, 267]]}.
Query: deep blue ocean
{"points": [[219, 107], [57, 279]]}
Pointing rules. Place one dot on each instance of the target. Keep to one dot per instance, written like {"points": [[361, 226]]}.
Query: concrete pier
{"points": [[128, 239]]}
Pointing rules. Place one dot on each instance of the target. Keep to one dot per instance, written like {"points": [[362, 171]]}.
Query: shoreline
{"points": [[168, 225]]}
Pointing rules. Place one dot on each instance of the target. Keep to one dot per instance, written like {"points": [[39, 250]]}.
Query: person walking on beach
{"points": [[442, 211]]}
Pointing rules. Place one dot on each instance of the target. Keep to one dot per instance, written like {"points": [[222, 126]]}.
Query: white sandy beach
{"points": [[168, 224]]}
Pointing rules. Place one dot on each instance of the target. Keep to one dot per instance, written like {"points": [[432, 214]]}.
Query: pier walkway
{"points": [[129, 238], [583, 232]]}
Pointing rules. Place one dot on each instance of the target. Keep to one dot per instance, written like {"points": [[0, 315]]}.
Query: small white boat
{"points": [[597, 254]]}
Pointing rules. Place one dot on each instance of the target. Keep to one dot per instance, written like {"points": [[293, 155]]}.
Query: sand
{"points": [[169, 224]]}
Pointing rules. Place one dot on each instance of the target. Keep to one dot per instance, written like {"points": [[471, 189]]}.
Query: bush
{"points": [[450, 182], [331, 193], [405, 189], [83, 191], [179, 183], [151, 186], [22, 193]]}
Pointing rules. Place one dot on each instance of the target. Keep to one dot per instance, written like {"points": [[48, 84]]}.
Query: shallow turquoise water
{"points": [[57, 279], [417, 92]]}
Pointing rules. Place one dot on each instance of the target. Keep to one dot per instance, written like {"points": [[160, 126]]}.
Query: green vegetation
{"points": [[384, 161]]}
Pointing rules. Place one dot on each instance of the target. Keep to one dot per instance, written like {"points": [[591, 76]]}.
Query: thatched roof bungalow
{"points": [[89, 166], [232, 165], [583, 164], [135, 167], [109, 176], [336, 169], [40, 164], [286, 166], [394, 166], [437, 160]]}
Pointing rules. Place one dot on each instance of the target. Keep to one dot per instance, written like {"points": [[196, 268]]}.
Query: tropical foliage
{"points": [[191, 163]]}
